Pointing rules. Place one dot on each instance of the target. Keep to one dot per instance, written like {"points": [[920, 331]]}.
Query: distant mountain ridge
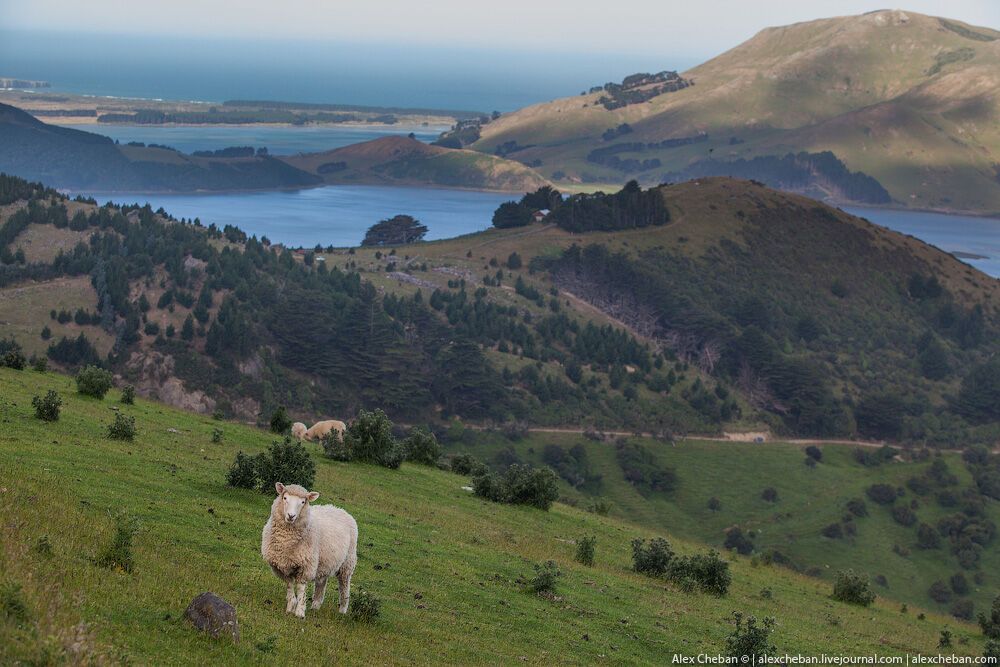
{"points": [[909, 100], [77, 160]]}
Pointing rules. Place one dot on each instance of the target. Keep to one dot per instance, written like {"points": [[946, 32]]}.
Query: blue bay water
{"points": [[279, 140], [951, 233], [335, 215]]}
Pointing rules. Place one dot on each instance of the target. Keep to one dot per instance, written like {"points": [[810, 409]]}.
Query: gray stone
{"points": [[210, 613]]}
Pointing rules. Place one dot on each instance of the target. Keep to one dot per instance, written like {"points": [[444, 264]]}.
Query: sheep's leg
{"points": [[300, 600], [290, 597], [344, 579], [319, 593]]}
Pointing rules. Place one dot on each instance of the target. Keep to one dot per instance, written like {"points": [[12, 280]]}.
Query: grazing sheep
{"points": [[303, 543], [320, 430], [299, 430]]}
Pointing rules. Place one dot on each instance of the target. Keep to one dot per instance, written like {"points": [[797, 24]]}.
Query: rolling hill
{"points": [[82, 161], [406, 161], [907, 100], [446, 565]]}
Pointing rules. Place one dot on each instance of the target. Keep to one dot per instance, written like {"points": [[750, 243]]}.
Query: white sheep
{"points": [[299, 430], [320, 430], [303, 543]]}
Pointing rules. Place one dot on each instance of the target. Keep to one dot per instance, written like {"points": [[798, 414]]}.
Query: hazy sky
{"points": [[695, 28]]}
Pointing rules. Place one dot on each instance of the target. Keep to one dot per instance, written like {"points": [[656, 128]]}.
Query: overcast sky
{"points": [[695, 28]]}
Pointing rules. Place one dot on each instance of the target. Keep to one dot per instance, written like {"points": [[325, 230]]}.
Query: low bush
{"points": [[770, 494], [520, 484], [47, 407], [365, 607], [749, 641], [467, 464], [336, 447], [600, 507], [40, 364], [128, 395], [544, 580], [814, 452], [714, 504], [117, 555], [422, 447], [287, 462], [853, 588], [738, 540], [93, 381], [217, 435], [707, 572], [963, 609], [585, 550], [904, 516], [883, 494], [652, 558], [122, 428], [939, 592], [13, 358], [280, 421], [369, 439], [12, 605], [857, 507]]}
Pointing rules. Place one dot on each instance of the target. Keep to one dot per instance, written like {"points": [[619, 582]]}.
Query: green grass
{"points": [[420, 534], [808, 500]]}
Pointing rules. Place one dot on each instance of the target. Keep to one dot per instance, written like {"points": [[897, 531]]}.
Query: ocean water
{"points": [[331, 71], [335, 215], [279, 140], [951, 233]]}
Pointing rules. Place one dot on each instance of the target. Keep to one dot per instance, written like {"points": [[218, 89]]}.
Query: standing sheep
{"points": [[299, 430], [303, 543], [320, 430]]}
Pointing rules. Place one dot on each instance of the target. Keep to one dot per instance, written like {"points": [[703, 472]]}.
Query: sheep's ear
{"points": [[279, 487], [312, 496]]}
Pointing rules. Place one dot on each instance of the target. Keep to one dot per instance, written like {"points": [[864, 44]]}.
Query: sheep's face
{"points": [[294, 502]]}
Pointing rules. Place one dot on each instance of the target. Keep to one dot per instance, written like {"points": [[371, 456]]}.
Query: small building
{"points": [[539, 216]]}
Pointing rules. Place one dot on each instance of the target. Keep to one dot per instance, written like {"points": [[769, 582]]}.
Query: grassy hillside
{"points": [[405, 161], [809, 500], [444, 563], [908, 99]]}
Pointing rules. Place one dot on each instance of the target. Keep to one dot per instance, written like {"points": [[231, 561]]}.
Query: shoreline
{"points": [[63, 121]]}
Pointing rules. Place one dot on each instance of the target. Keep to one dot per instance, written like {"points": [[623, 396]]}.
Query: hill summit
{"points": [[908, 100]]}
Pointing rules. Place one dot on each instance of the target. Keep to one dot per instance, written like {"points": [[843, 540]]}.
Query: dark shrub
{"points": [[243, 472], [546, 575], [467, 464], [834, 531], [706, 571], [280, 421], [853, 588], [128, 395], [991, 624], [519, 485], [927, 537], [47, 408], [599, 506], [122, 428], [939, 592], [814, 452], [336, 447], [118, 554], [959, 584], [422, 447], [770, 494], [365, 607], [369, 438], [652, 559], [963, 609], [287, 462], [40, 364], [857, 507], [883, 494], [714, 504], [217, 435], [585, 550], [93, 381], [748, 640], [904, 515], [738, 540], [13, 358]]}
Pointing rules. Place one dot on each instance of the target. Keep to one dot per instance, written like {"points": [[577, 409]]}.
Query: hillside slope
{"points": [[406, 161], [910, 100], [444, 563], [748, 308]]}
